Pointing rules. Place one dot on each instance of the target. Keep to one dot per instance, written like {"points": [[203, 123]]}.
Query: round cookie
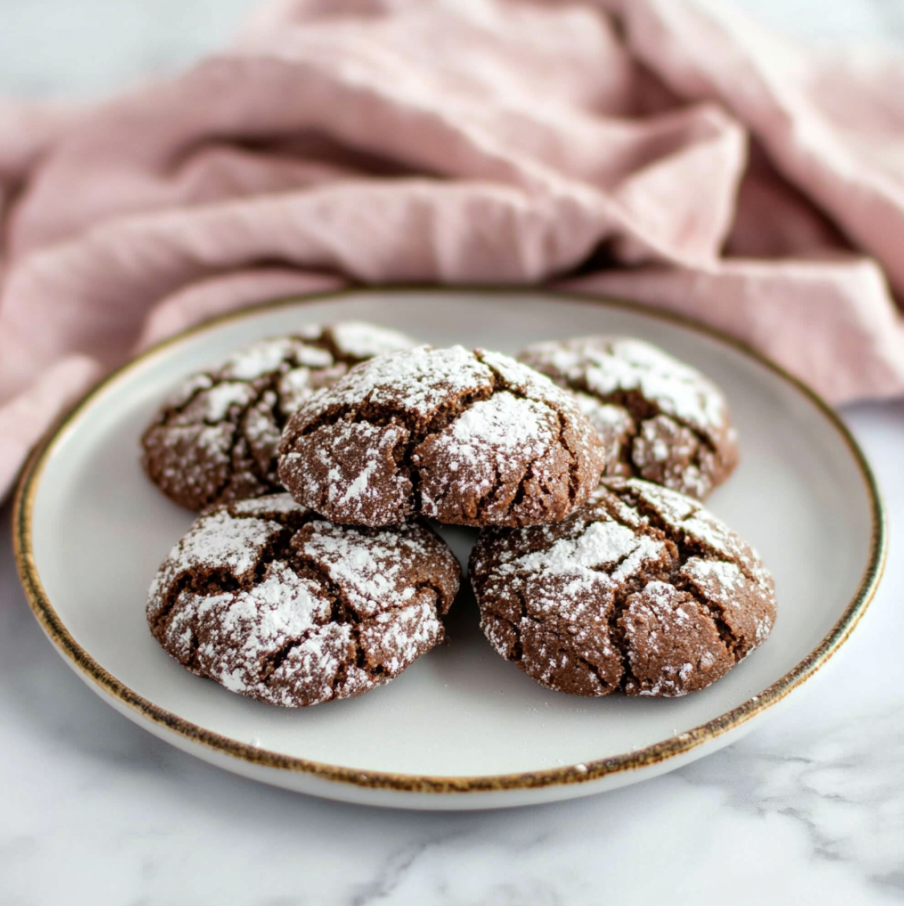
{"points": [[272, 602], [659, 419], [471, 438], [641, 590], [215, 439]]}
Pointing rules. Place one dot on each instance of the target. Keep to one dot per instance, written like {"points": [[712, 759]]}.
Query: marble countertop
{"points": [[808, 809]]}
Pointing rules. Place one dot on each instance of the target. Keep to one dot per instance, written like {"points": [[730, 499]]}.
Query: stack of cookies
{"points": [[596, 569]]}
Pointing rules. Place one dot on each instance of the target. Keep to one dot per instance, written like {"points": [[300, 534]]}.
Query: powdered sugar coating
{"points": [[640, 590], [272, 602], [221, 543], [468, 437], [395, 564], [215, 438], [360, 340], [268, 355], [674, 426], [418, 381]]}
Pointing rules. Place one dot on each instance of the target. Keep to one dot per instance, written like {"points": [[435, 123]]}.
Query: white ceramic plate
{"points": [[462, 728]]}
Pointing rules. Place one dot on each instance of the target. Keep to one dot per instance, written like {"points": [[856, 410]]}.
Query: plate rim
{"points": [[657, 753]]}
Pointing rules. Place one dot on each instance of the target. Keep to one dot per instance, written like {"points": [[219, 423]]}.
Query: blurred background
{"points": [[86, 48]]}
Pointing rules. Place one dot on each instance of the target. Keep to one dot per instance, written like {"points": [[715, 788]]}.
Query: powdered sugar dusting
{"points": [[282, 607], [187, 389], [404, 632], [611, 366], [519, 376], [218, 541], [371, 574], [264, 506], [364, 341], [252, 392], [596, 560], [692, 521], [360, 484], [715, 573], [601, 545], [295, 386], [466, 437], [674, 507], [675, 425], [221, 542], [685, 597], [268, 625], [604, 417], [263, 357], [215, 404], [504, 422], [418, 380]]}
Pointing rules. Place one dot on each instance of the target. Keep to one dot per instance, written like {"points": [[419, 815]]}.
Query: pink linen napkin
{"points": [[666, 151]]}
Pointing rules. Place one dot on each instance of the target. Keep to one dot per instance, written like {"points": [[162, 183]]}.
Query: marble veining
{"points": [[809, 809]]}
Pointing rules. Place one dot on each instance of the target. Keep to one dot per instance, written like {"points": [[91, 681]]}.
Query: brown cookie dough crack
{"points": [[593, 669], [517, 652], [377, 416], [221, 581], [638, 406], [729, 639], [687, 546], [382, 415], [342, 611], [266, 478], [437, 594], [240, 436], [518, 647], [619, 643], [574, 480], [273, 662], [614, 622], [500, 384], [699, 434], [215, 440], [272, 601], [680, 564], [240, 460], [687, 549], [642, 410]]}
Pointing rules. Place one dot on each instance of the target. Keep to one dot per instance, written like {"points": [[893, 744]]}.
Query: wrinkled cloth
{"points": [[665, 151]]}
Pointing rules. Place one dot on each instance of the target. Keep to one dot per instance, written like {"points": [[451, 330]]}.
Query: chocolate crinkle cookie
{"points": [[641, 590], [465, 437], [659, 418], [215, 439], [271, 601]]}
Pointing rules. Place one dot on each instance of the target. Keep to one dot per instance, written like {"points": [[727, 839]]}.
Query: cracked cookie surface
{"points": [[465, 437], [641, 590], [215, 439], [271, 601], [659, 419]]}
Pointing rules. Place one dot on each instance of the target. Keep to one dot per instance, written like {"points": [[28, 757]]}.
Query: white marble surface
{"points": [[86, 48], [809, 809]]}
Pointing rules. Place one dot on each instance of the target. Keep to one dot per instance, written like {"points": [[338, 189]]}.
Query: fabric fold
{"points": [[667, 151]]}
